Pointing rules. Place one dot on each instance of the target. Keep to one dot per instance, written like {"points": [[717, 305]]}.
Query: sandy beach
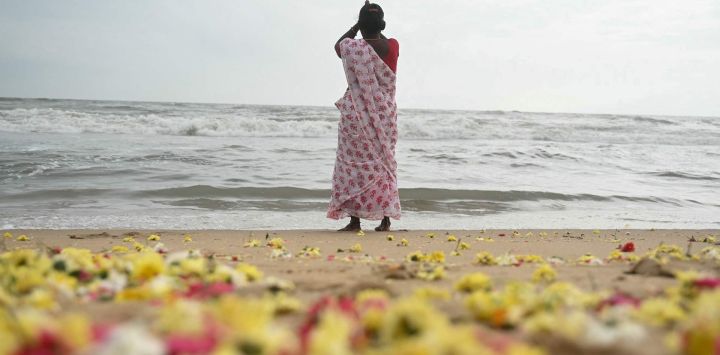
{"points": [[345, 264]]}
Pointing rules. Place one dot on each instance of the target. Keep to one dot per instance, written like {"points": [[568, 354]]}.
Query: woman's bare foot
{"points": [[353, 226], [384, 225]]}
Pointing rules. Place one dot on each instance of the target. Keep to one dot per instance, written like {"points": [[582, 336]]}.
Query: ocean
{"points": [[112, 164]]}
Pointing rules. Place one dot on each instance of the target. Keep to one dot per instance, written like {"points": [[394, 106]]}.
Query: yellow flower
{"points": [[309, 252], [464, 246], [139, 293], [431, 273], [356, 248], [430, 235], [276, 243], [431, 293], [252, 244], [390, 237], [474, 282], [7, 235], [455, 253], [332, 335], [128, 240], [360, 233], [371, 295], [147, 265], [119, 249], [26, 278], [75, 329], [187, 238], [544, 273], [183, 316], [529, 234], [193, 266], [153, 238], [596, 232], [485, 258], [589, 259], [488, 307], [138, 247], [22, 238], [452, 238], [437, 256], [660, 312], [404, 242], [410, 318], [282, 303], [41, 299], [434, 257]]}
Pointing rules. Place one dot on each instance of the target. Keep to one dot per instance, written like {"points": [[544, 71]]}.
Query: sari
{"points": [[364, 182]]}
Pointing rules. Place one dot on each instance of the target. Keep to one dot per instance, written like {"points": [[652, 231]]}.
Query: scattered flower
{"points": [[474, 282], [485, 258], [544, 273], [253, 243], [629, 247], [119, 249], [276, 243]]}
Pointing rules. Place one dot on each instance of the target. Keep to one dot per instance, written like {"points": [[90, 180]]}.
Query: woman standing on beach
{"points": [[365, 175]]}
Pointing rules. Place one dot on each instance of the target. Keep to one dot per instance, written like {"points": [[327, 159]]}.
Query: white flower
{"points": [[131, 339]]}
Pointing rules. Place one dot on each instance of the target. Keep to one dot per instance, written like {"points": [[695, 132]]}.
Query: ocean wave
{"points": [[684, 175], [178, 119], [295, 193]]}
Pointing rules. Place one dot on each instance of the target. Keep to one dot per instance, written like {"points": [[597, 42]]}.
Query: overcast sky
{"points": [[604, 56]]}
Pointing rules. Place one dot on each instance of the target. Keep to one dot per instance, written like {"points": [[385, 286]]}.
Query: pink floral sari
{"points": [[365, 175]]}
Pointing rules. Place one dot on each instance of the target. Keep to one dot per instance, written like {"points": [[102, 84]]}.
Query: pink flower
{"points": [[618, 299], [182, 344]]}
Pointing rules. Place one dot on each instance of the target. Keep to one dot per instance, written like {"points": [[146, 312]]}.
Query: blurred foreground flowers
{"points": [[186, 302]]}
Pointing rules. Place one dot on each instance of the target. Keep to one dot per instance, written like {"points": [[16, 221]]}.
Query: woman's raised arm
{"points": [[351, 33]]}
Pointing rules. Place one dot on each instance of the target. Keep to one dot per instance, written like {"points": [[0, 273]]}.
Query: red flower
{"points": [[708, 282], [618, 299], [203, 291], [629, 247]]}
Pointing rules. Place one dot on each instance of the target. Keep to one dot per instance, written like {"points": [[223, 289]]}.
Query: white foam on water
{"points": [[59, 116]]}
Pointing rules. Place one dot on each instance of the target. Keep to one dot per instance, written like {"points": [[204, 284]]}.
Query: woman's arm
{"points": [[351, 33]]}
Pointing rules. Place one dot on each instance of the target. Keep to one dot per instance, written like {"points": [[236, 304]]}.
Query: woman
{"points": [[365, 175]]}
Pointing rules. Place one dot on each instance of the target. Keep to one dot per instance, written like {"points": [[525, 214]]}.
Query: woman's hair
{"points": [[371, 19]]}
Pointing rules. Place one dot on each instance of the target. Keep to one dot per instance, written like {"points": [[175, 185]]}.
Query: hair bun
{"points": [[371, 19]]}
